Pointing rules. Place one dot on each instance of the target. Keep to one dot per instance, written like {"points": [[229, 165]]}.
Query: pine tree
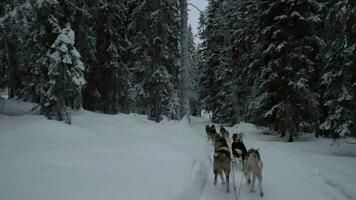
{"points": [[213, 38], [246, 51], [217, 36], [15, 26], [193, 76], [154, 30], [202, 53], [84, 26], [338, 79], [66, 78], [284, 96], [113, 77], [184, 97]]}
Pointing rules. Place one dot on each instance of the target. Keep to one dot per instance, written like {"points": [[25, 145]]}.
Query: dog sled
{"points": [[226, 158]]}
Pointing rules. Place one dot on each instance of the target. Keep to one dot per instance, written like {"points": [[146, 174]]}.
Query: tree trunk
{"points": [[290, 136], [12, 68], [157, 108]]}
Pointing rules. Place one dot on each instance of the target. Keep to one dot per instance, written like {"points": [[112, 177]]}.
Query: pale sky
{"points": [[194, 14]]}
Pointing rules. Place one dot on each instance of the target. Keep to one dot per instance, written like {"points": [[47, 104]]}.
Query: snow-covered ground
{"points": [[127, 157]]}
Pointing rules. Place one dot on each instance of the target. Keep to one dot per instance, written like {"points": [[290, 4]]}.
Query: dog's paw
{"points": [[261, 194], [249, 181]]}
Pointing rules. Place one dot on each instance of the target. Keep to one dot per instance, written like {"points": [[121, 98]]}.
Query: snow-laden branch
{"points": [[190, 4]]}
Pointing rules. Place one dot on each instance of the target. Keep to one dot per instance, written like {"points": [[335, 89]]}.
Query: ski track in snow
{"points": [[128, 157]]}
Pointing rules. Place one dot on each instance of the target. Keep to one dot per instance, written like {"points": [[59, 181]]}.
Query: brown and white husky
{"points": [[253, 169], [222, 164]]}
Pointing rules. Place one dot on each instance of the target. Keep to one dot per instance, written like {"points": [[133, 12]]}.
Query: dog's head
{"points": [[237, 136], [254, 153], [213, 127], [207, 128], [223, 131], [220, 141]]}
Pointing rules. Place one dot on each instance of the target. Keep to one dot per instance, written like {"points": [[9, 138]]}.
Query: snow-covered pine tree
{"points": [[202, 54], [154, 35], [284, 97], [84, 26], [3, 56], [48, 19], [113, 77], [217, 95], [15, 27], [339, 74], [139, 59], [165, 56], [245, 53], [183, 86], [193, 76], [210, 54], [229, 40], [3, 60], [38, 41], [65, 77]]}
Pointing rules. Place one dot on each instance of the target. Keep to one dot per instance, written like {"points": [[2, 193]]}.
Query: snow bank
{"points": [[99, 157]]}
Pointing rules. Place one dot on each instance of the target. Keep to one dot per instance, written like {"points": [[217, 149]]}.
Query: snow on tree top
{"points": [[297, 14], [66, 36], [280, 17]]}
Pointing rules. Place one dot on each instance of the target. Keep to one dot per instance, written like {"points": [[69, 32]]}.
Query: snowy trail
{"points": [[128, 157], [284, 177]]}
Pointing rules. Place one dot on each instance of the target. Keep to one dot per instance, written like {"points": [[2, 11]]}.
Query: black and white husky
{"points": [[238, 147]]}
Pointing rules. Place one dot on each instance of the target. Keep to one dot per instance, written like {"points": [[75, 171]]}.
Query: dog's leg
{"points": [[222, 177], [227, 174], [247, 176], [215, 176], [253, 183], [260, 184]]}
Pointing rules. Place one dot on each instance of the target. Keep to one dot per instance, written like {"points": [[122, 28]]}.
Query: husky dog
{"points": [[238, 147], [207, 130], [210, 131], [253, 168], [222, 161], [224, 133]]}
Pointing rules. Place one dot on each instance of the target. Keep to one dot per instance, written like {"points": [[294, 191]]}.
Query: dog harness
{"points": [[224, 150]]}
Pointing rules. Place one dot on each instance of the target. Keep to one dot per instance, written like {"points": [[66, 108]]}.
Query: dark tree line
{"points": [[286, 64], [104, 55]]}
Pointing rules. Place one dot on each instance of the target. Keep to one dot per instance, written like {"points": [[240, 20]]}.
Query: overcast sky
{"points": [[194, 14]]}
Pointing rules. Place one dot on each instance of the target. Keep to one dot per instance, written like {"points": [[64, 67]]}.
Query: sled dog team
{"points": [[250, 160]]}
